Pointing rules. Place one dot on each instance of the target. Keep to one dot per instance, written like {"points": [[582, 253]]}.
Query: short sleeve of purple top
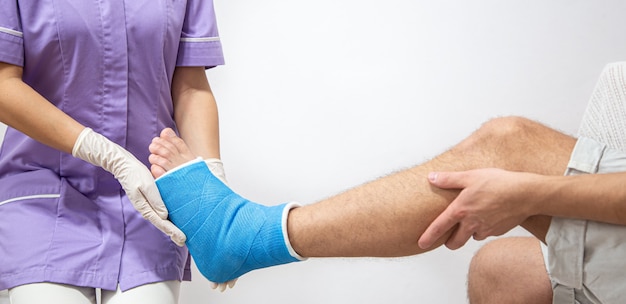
{"points": [[109, 65], [11, 37]]}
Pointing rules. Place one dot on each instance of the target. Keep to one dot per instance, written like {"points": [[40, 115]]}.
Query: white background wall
{"points": [[320, 96]]}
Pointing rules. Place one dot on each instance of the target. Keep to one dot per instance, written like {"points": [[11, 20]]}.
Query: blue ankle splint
{"points": [[227, 235]]}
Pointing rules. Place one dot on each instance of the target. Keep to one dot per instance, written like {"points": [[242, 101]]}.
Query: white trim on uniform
{"points": [[200, 39], [11, 32], [21, 198]]}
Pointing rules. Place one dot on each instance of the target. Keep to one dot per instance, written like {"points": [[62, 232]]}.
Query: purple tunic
{"points": [[109, 65]]}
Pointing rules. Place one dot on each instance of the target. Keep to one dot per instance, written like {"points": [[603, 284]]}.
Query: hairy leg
{"points": [[386, 217], [524, 280]]}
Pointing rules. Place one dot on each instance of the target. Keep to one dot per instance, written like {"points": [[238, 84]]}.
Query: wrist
{"points": [[76, 149], [543, 191], [100, 151]]}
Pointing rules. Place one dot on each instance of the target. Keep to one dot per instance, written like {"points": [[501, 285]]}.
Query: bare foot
{"points": [[167, 152]]}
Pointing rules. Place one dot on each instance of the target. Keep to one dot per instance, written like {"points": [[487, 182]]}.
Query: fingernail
{"points": [[432, 176], [169, 132]]}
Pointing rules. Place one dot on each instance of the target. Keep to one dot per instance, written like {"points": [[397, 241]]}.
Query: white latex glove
{"points": [[133, 175], [217, 168]]}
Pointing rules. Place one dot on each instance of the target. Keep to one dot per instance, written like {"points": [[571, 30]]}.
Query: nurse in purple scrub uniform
{"points": [[84, 87]]}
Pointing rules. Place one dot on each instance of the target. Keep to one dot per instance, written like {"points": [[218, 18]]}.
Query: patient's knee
{"points": [[509, 270], [506, 127]]}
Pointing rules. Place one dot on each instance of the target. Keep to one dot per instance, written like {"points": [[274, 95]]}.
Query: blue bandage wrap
{"points": [[227, 235]]}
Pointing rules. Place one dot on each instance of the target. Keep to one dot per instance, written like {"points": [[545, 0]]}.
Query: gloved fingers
{"points": [[217, 168], [146, 208], [167, 227], [142, 205], [152, 195], [141, 189], [222, 286], [176, 235]]}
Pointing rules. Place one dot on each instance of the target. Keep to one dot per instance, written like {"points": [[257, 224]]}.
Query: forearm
{"points": [[598, 197], [25, 110], [197, 123], [195, 112]]}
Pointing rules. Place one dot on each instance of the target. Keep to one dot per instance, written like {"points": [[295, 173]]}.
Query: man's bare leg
{"points": [[386, 217]]}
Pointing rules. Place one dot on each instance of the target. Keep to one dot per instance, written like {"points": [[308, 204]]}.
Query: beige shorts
{"points": [[587, 259]]}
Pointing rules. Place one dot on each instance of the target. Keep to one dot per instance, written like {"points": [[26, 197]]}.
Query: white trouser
{"points": [[42, 293], [4, 297]]}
